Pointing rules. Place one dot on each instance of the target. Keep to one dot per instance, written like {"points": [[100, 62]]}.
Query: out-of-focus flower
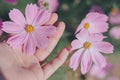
{"points": [[113, 78], [96, 9], [94, 23], [89, 48], [65, 7], [51, 5], [11, 1], [29, 31], [114, 16], [1, 27], [99, 72], [77, 1], [115, 32]]}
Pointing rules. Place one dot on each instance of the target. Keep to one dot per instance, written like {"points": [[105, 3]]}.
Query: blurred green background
{"points": [[72, 12]]}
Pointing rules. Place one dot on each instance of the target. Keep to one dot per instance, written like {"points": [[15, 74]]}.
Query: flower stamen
{"points": [[87, 45], [86, 25], [29, 28]]}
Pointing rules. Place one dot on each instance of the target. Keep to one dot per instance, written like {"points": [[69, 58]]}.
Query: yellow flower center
{"points": [[86, 25], [46, 5], [87, 45], [29, 28], [114, 11]]}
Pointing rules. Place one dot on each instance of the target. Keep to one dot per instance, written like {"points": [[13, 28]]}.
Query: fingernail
{"points": [[68, 48]]}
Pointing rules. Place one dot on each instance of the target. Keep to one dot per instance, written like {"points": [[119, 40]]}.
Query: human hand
{"points": [[14, 65]]}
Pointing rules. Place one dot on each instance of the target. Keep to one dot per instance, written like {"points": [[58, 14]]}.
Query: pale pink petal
{"points": [[76, 44], [98, 72], [29, 46], [17, 40], [93, 16], [83, 35], [16, 16], [46, 30], [53, 5], [98, 27], [86, 62], [101, 72], [97, 57], [75, 59], [115, 32], [104, 47], [41, 39], [80, 26], [97, 37], [42, 17], [11, 27], [31, 13], [42, 42]]}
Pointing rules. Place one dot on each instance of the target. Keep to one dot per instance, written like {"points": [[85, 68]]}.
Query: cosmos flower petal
{"points": [[92, 16], [97, 37], [80, 26], [11, 27], [42, 42], [29, 45], [47, 30], [98, 27], [97, 57], [76, 44], [86, 62], [41, 38], [16, 16], [75, 59], [101, 72], [31, 13], [115, 32], [83, 35], [105, 47], [17, 40], [42, 17]]}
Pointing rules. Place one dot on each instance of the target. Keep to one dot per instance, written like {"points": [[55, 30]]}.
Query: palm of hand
{"points": [[14, 65]]}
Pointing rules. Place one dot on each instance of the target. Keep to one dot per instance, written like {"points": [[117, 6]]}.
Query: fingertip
{"points": [[55, 16], [61, 26], [53, 19]]}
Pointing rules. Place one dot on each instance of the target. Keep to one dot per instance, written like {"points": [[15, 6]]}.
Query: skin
{"points": [[14, 65]]}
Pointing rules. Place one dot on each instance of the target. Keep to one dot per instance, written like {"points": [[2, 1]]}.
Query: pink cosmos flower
{"points": [[89, 48], [29, 31], [114, 16], [101, 72], [1, 27], [94, 23], [97, 9], [11, 1], [115, 32], [48, 4]]}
